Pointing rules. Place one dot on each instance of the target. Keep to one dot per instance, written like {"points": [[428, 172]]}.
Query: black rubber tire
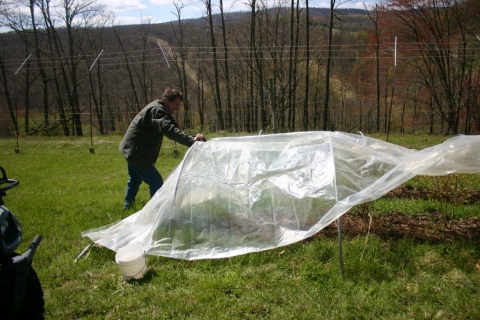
{"points": [[34, 303]]}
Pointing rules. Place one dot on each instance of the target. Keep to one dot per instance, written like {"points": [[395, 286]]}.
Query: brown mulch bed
{"points": [[395, 225], [430, 227], [468, 197]]}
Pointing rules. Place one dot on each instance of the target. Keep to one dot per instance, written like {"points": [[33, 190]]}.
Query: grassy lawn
{"points": [[64, 190]]}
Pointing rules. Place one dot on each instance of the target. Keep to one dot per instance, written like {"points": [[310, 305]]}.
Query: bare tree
{"points": [[307, 68], [180, 58], [291, 63], [40, 64], [374, 18], [250, 116], [218, 97], [77, 17], [136, 104], [229, 120], [27, 28], [326, 106], [441, 30], [10, 104]]}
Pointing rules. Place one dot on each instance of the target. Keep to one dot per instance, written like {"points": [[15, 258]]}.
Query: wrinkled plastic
{"points": [[231, 196]]}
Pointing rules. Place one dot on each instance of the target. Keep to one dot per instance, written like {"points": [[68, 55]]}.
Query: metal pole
{"points": [[22, 64], [393, 89], [160, 45], [340, 245], [92, 150], [340, 237], [17, 129], [83, 252], [17, 149], [95, 61]]}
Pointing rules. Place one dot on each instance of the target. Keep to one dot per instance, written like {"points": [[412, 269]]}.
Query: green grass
{"points": [[64, 190], [421, 206]]}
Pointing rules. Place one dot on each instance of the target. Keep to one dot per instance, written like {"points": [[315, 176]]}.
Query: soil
{"points": [[430, 227]]}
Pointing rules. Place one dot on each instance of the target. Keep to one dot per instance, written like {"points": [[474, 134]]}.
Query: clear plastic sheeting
{"points": [[231, 196]]}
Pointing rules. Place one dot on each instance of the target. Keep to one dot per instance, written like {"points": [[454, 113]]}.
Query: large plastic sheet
{"points": [[231, 196]]}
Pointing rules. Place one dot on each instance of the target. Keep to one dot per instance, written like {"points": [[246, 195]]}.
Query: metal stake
{"points": [[83, 252], [17, 150], [340, 245], [92, 150], [164, 55]]}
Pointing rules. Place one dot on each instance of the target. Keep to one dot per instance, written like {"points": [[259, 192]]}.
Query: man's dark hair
{"points": [[171, 94]]}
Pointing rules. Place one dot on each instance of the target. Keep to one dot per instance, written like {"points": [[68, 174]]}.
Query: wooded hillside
{"points": [[403, 66]]}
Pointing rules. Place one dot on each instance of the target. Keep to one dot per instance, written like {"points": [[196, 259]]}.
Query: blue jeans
{"points": [[135, 177]]}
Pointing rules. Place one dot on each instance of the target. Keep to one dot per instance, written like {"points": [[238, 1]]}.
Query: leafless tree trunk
{"points": [[200, 97], [307, 68], [28, 83], [258, 49], [181, 61], [218, 97], [250, 116], [144, 72], [229, 120], [57, 67], [41, 66], [317, 111], [10, 104], [291, 63], [72, 10], [136, 102], [326, 107], [96, 94], [374, 18]]}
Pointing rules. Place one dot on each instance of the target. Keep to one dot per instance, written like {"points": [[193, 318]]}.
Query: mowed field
{"points": [[64, 189]]}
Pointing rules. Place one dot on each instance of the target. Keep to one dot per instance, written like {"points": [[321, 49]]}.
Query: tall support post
{"points": [[393, 89], [340, 245], [17, 129], [92, 150]]}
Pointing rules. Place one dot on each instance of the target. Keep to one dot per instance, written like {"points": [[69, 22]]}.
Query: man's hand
{"points": [[199, 137]]}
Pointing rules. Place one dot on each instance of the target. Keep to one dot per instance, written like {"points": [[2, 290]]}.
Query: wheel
{"points": [[34, 304]]}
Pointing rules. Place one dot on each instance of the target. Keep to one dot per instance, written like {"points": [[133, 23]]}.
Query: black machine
{"points": [[21, 294]]}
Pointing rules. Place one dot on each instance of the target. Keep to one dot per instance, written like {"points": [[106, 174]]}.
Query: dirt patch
{"points": [[396, 225], [431, 227], [463, 197]]}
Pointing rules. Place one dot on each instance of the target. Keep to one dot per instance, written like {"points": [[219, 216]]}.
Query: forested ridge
{"points": [[404, 66]]}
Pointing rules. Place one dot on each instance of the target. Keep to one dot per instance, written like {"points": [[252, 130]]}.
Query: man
{"points": [[141, 144]]}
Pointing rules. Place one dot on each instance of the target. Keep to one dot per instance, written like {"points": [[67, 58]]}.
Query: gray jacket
{"points": [[142, 141]]}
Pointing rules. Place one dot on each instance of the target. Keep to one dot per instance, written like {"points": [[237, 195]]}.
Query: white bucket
{"points": [[131, 261]]}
